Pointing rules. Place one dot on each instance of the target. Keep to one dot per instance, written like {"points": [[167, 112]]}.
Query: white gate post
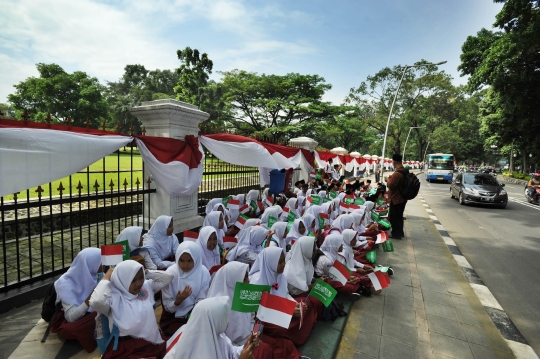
{"points": [[174, 119]]}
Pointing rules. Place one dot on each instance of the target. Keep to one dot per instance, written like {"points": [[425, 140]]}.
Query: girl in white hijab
{"points": [[188, 287], [290, 206], [278, 238], [349, 242], [207, 243], [226, 213], [76, 320], [274, 211], [309, 221], [233, 213], [299, 269], [252, 195], [216, 219], [161, 242], [345, 221], [133, 235], [249, 245], [322, 194], [127, 299], [210, 205], [249, 223], [298, 230], [301, 204], [371, 227], [204, 335]]}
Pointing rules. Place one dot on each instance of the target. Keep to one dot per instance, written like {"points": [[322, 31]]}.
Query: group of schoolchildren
{"points": [[288, 243]]}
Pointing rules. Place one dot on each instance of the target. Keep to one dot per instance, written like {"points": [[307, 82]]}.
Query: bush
{"points": [[517, 175]]}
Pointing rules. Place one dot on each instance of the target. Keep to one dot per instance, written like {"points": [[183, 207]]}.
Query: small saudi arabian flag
{"points": [[375, 216], [248, 296], [385, 223], [315, 200], [271, 221], [323, 218], [359, 201], [388, 246], [371, 256], [291, 216], [339, 272], [323, 292]]}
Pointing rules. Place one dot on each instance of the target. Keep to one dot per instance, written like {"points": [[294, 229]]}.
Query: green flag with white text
{"points": [[323, 292], [248, 296], [371, 256]]}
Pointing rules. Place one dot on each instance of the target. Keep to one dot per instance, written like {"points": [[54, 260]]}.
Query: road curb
{"points": [[504, 324], [514, 180]]}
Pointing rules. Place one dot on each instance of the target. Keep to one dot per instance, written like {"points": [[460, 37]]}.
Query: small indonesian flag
{"points": [[353, 207], [382, 237], [269, 201], [276, 310], [313, 174], [344, 207], [323, 219], [339, 272], [379, 280], [286, 209], [191, 236], [310, 200], [229, 241], [112, 254], [242, 218], [214, 269], [233, 203], [244, 209]]}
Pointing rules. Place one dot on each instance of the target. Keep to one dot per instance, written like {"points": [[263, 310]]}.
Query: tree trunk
{"points": [[524, 167]]}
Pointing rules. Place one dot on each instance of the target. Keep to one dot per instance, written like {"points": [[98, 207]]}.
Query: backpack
{"points": [[333, 311], [411, 186], [49, 309]]}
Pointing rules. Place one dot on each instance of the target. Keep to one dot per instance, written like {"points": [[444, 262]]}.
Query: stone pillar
{"points": [[174, 119]]}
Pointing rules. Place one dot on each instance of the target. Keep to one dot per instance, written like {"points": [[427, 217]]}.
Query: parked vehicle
{"points": [[481, 188]]}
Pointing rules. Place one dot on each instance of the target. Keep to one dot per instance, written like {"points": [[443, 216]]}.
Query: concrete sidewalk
{"points": [[429, 311]]}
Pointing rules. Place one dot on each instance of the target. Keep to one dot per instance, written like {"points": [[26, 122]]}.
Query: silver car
{"points": [[479, 188]]}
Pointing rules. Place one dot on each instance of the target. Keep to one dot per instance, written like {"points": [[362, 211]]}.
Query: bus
{"points": [[440, 167]]}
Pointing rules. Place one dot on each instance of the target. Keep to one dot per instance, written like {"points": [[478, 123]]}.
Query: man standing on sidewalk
{"points": [[395, 183], [377, 172]]}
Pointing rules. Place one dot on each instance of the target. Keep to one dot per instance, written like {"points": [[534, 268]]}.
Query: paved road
{"points": [[502, 245]]}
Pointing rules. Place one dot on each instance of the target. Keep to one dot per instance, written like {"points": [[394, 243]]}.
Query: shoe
{"points": [[390, 271], [393, 237], [366, 292], [354, 297]]}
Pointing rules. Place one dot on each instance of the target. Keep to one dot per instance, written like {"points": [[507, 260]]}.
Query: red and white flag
{"points": [[339, 272], [344, 207], [242, 218], [112, 254], [276, 310], [245, 209], [233, 203], [313, 174], [382, 237], [229, 241], [269, 201], [286, 209], [353, 207], [191, 236], [379, 279]]}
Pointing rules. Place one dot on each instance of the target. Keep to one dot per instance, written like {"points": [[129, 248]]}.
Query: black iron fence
{"points": [[43, 228]]}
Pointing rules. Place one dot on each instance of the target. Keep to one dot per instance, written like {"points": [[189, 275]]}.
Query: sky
{"points": [[342, 41]]}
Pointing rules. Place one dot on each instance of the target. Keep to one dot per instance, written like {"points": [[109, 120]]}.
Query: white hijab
{"points": [[74, 286], [314, 210], [279, 228], [242, 198], [219, 207], [331, 245], [348, 253], [210, 205], [294, 234], [300, 202], [133, 314], [209, 258], [248, 241], [197, 278], [233, 213], [249, 223], [322, 194], [204, 334], [309, 220], [299, 269], [264, 271], [212, 219], [345, 221], [357, 215], [252, 195], [291, 203], [368, 208], [223, 284], [132, 235], [274, 211], [157, 238]]}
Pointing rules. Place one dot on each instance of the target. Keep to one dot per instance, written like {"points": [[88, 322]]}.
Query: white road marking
{"points": [[524, 203], [433, 217], [481, 227], [520, 350], [439, 227], [486, 298]]}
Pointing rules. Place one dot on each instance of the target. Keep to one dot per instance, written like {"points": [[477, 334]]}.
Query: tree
{"points": [[137, 85], [64, 95], [275, 107], [194, 73], [508, 62]]}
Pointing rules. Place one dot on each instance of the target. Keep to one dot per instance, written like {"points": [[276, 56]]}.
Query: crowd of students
{"points": [[287, 245]]}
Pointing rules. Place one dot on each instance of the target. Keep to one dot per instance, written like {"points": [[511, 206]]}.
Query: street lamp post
{"points": [[404, 147], [425, 153], [405, 68]]}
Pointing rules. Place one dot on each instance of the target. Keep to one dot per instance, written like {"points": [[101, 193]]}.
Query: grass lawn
{"points": [[110, 163]]}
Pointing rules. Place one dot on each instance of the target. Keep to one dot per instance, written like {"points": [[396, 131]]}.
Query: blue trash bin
{"points": [[277, 180]]}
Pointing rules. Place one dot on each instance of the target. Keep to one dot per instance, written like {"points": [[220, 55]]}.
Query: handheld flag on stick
{"points": [[381, 237], [291, 216], [269, 201], [244, 209], [229, 241], [359, 201], [324, 218], [323, 292], [248, 296], [276, 310], [315, 200], [224, 200], [190, 236], [233, 203], [379, 280], [271, 221], [388, 246], [371, 256], [112, 254], [339, 272], [240, 221], [126, 254]]}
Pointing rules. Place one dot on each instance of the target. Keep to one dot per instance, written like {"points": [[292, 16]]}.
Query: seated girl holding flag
{"points": [[127, 299], [298, 230], [204, 336], [290, 207], [268, 270], [161, 242], [189, 286], [278, 238], [358, 269], [240, 324], [216, 219], [207, 243], [76, 320], [274, 211], [134, 237], [249, 245]]}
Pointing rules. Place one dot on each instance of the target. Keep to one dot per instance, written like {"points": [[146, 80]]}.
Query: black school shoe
{"points": [[390, 271], [366, 292], [354, 297]]}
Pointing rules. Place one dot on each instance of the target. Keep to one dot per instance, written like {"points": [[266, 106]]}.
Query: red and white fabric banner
{"points": [[177, 166], [30, 157]]}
